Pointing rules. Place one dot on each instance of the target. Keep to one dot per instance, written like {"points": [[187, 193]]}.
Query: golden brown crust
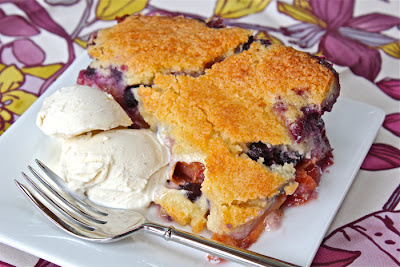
{"points": [[236, 97], [232, 179], [263, 75], [182, 210], [190, 127], [147, 45], [230, 104], [224, 219]]}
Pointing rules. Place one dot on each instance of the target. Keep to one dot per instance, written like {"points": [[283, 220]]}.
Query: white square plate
{"points": [[351, 128]]}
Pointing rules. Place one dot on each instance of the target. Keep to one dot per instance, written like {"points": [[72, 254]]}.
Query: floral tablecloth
{"points": [[40, 39]]}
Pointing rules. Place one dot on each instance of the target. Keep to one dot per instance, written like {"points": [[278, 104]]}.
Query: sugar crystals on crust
{"points": [[228, 97], [147, 45]]}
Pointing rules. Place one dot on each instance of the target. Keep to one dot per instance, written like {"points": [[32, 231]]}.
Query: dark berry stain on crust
{"points": [[273, 154], [309, 128], [246, 46], [264, 42], [324, 62], [327, 104], [129, 98], [280, 107], [90, 72], [189, 177], [216, 23], [210, 64], [193, 190], [121, 19], [299, 91]]}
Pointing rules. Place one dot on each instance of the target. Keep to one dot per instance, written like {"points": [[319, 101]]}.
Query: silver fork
{"points": [[76, 215]]}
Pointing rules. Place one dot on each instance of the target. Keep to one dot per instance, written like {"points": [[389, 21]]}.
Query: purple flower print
{"points": [[28, 57], [381, 157], [392, 123], [336, 257], [343, 39], [23, 76], [27, 52], [391, 87], [39, 18], [16, 26], [372, 240]]}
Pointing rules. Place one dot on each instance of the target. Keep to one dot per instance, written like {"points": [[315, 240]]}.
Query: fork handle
{"points": [[216, 248]]}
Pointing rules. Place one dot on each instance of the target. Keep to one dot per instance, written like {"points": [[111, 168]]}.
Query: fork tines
{"points": [[53, 198]]}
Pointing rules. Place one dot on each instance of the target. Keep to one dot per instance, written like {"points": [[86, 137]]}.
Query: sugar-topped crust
{"points": [[182, 210], [231, 104], [217, 110], [146, 45], [233, 179], [235, 98]]}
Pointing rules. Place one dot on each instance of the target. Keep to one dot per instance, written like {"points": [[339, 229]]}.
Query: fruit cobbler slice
{"points": [[240, 116]]}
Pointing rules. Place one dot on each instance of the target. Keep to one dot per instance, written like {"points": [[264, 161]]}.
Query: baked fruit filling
{"points": [[240, 116]]}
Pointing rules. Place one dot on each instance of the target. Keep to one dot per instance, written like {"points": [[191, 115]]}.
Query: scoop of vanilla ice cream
{"points": [[79, 109], [121, 168]]}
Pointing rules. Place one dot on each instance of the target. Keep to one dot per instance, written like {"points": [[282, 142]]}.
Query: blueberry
{"points": [[116, 74], [264, 42], [273, 154], [129, 98], [246, 46], [288, 157], [257, 150], [193, 190], [260, 150], [90, 72]]}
